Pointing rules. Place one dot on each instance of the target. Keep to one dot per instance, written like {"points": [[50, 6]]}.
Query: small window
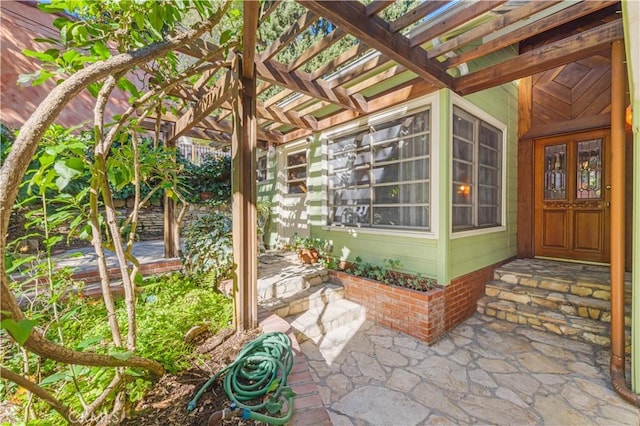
{"points": [[476, 172], [297, 172], [262, 167]]}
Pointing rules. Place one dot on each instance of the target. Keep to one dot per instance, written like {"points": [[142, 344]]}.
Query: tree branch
{"points": [[40, 392]]}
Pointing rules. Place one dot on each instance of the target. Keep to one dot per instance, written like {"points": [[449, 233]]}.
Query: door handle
{"points": [[607, 204]]}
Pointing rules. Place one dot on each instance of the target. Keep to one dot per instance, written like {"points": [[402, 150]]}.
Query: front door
{"points": [[572, 197]]}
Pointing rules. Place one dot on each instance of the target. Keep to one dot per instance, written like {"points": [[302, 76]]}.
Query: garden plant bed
{"points": [[425, 315], [417, 313], [166, 403]]}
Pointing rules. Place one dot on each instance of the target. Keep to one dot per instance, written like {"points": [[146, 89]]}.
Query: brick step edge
{"points": [[309, 408]]}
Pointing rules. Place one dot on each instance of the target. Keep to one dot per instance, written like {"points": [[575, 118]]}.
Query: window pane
{"points": [[488, 216], [462, 150], [462, 126], [296, 188], [296, 159], [409, 193], [462, 217], [589, 169], [395, 172], [409, 216], [555, 182], [299, 172]]}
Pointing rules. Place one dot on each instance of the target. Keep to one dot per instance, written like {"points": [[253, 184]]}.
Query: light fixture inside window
{"points": [[628, 117], [463, 190]]}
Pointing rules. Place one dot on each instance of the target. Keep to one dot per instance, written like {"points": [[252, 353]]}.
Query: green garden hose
{"points": [[261, 368]]}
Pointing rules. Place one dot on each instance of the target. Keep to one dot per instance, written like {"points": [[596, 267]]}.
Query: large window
{"points": [[379, 177], [476, 173]]}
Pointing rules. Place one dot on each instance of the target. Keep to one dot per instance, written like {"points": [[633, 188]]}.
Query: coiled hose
{"points": [[261, 368]]}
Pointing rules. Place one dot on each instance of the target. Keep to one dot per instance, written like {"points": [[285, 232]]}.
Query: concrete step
{"points": [[571, 304], [564, 277], [287, 283], [316, 322], [309, 298], [555, 321]]}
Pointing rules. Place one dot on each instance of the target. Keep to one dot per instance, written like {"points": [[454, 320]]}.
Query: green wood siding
{"points": [[437, 255]]}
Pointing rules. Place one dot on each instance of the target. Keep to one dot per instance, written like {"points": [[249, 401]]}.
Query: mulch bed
{"points": [[166, 402]]}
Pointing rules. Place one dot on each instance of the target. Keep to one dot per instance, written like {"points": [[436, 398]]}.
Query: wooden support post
{"points": [[171, 233], [244, 144], [618, 233]]}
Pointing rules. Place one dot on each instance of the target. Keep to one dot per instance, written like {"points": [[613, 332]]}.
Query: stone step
{"points": [[564, 277], [541, 318], [309, 298], [570, 304], [287, 283], [316, 322]]}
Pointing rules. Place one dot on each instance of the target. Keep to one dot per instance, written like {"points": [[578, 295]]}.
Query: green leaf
{"points": [[225, 36], [44, 57], [55, 378], [273, 406], [123, 356], [101, 50], [94, 89], [65, 170], [76, 164], [125, 84], [273, 386], [133, 373], [87, 343], [139, 280], [20, 330]]}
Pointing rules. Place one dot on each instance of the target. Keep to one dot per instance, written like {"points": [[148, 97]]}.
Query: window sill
{"points": [[474, 232], [377, 231]]}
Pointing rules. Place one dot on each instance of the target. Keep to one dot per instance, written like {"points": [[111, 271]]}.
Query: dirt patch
{"points": [[166, 403]]}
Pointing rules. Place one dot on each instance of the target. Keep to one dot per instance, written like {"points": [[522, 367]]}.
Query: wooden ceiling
{"points": [[467, 46]]}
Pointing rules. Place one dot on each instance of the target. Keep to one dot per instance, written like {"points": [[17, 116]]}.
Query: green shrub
{"points": [[209, 247]]}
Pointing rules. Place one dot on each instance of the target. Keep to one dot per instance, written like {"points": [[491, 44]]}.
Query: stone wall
{"points": [[151, 219]]}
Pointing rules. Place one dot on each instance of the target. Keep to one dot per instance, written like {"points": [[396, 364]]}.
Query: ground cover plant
{"points": [[388, 273], [167, 308]]}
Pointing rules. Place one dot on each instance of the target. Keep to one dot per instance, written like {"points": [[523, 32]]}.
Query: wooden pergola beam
{"points": [[215, 97], [313, 51], [471, 11], [300, 82], [552, 21], [375, 32], [549, 56], [417, 13], [498, 22], [298, 27]]}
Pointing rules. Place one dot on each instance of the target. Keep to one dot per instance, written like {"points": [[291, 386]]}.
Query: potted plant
{"points": [[308, 248]]}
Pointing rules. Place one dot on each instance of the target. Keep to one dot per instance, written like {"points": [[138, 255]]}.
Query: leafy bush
{"points": [[167, 307], [212, 176], [209, 247]]}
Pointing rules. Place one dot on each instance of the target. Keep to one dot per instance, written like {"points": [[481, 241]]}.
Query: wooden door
{"points": [[571, 191]]}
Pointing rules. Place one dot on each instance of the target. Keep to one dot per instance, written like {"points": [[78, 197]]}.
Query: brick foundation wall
{"points": [[423, 315], [152, 268]]}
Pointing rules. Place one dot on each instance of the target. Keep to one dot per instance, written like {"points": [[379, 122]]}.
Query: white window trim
{"points": [[465, 105], [263, 154], [430, 102]]}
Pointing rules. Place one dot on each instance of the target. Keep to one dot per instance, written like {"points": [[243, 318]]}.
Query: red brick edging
{"points": [[423, 315], [308, 406]]}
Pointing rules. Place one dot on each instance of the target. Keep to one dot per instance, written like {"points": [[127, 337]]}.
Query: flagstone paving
{"points": [[482, 372]]}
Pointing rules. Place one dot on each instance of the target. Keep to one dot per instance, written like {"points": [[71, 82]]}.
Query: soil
{"points": [[166, 402]]}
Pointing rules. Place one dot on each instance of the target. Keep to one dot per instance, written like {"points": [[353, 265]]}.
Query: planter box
{"points": [[423, 315], [416, 313]]}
